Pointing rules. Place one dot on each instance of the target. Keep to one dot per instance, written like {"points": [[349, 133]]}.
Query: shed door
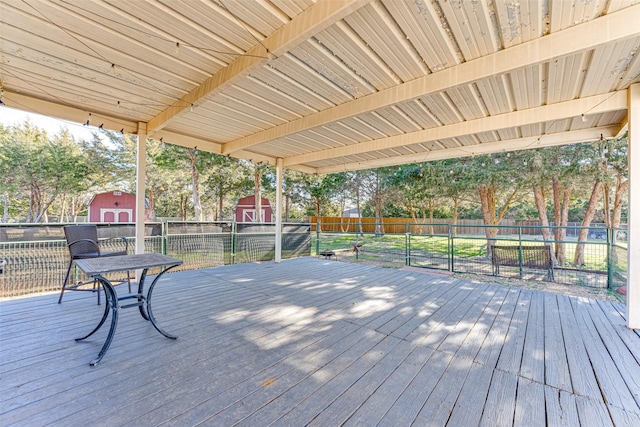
{"points": [[107, 215], [115, 215], [249, 215]]}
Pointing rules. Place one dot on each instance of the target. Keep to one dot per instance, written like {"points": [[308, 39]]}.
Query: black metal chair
{"points": [[82, 241]]}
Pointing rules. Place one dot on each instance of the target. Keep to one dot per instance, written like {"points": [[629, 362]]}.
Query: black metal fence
{"points": [[598, 261], [34, 257]]}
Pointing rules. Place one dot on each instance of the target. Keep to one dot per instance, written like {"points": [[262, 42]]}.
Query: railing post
{"points": [[164, 231], [317, 235], [233, 242], [407, 245], [610, 237], [357, 240], [451, 248], [520, 249]]}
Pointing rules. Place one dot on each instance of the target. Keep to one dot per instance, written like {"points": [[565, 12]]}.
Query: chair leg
{"points": [[66, 279], [129, 280], [96, 284]]}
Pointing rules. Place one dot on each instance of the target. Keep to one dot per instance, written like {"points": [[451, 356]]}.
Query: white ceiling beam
{"points": [[563, 138], [579, 38], [187, 141], [314, 19], [67, 112], [304, 169], [593, 105], [214, 147], [255, 158]]}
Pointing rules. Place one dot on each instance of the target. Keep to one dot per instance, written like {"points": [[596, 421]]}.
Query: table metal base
{"points": [[143, 302]]}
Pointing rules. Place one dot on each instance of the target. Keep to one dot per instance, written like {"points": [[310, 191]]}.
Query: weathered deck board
{"points": [[625, 362], [530, 404], [466, 324], [343, 406], [445, 319], [532, 367], [479, 331], [410, 402], [442, 399], [383, 398], [628, 336], [472, 398], [511, 355], [501, 400], [612, 384], [582, 377], [315, 342], [561, 408], [556, 367], [492, 346]]}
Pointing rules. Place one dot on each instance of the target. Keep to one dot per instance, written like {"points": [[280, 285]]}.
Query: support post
{"points": [[519, 249], [633, 253], [141, 165], [141, 171], [279, 179]]}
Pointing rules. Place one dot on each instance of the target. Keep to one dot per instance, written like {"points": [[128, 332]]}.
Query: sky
{"points": [[11, 117]]}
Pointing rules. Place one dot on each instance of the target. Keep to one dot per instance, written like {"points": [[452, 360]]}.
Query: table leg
{"points": [[104, 317], [148, 303], [112, 301], [142, 307]]}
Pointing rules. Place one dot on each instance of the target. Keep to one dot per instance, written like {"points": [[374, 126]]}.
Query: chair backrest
{"points": [[73, 233]]}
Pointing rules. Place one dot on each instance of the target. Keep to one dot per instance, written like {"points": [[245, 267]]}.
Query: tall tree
{"points": [[540, 181], [594, 167], [169, 180], [226, 178], [616, 183], [563, 165], [320, 190], [45, 167], [374, 188], [498, 185], [420, 187], [293, 184]]}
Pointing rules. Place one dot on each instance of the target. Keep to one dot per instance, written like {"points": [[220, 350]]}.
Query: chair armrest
{"points": [[122, 238], [85, 241]]}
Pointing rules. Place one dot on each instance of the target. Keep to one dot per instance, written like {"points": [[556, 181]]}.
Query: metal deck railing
{"points": [[36, 257], [464, 249]]}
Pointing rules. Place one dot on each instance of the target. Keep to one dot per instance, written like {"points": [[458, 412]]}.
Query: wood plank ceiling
{"points": [[328, 85]]}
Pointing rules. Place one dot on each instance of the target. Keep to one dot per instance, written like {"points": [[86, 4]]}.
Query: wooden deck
{"points": [[323, 343]]}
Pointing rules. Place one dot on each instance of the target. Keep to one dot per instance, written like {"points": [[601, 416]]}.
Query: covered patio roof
{"points": [[334, 85], [329, 85]]}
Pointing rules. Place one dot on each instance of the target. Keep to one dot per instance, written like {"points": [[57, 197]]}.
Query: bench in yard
{"points": [[522, 256]]}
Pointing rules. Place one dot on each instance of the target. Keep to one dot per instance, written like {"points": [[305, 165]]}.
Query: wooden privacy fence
{"points": [[408, 225]]}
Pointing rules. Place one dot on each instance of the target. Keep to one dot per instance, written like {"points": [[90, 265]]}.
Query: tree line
{"points": [[49, 176]]}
